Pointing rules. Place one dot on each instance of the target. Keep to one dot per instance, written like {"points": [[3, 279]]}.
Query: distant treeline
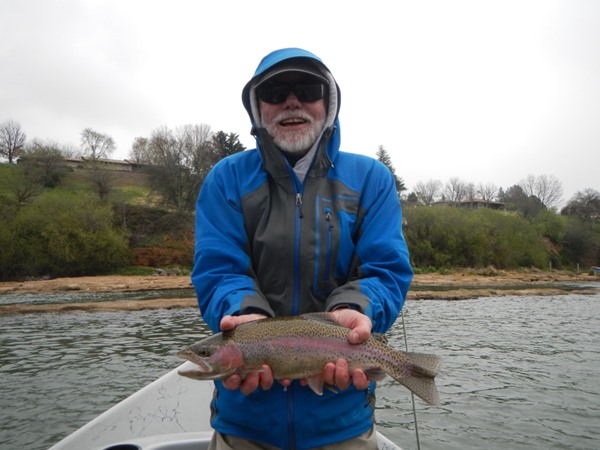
{"points": [[59, 234], [56, 221], [450, 237]]}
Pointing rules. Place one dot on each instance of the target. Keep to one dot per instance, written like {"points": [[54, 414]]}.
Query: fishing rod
{"points": [[412, 396]]}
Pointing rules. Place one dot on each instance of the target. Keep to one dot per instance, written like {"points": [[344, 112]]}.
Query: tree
{"points": [[139, 151], [226, 144], [103, 179], [26, 183], [581, 244], [179, 160], [547, 188], [48, 158], [516, 199], [585, 205], [487, 192], [384, 157], [455, 191], [428, 192], [470, 191], [12, 140], [96, 145]]}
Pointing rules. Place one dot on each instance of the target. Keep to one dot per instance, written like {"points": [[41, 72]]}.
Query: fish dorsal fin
{"points": [[380, 337]]}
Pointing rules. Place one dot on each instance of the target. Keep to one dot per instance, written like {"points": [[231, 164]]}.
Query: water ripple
{"points": [[518, 372]]}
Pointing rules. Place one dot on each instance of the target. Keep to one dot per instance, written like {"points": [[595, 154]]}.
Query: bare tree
{"points": [[26, 183], [179, 161], [428, 192], [139, 150], [547, 188], [12, 140], [103, 179], [455, 190], [96, 145], [488, 191], [470, 191], [585, 205]]}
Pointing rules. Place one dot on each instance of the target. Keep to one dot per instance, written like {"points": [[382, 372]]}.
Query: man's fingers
{"points": [[250, 384], [266, 378], [329, 374], [360, 379], [230, 322], [342, 374], [359, 324], [232, 382]]}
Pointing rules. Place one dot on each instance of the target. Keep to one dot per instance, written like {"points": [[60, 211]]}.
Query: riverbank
{"points": [[452, 286]]}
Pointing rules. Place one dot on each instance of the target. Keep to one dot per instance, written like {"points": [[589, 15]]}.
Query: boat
{"points": [[170, 413]]}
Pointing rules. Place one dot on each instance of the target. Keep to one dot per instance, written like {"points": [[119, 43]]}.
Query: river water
{"points": [[518, 372]]}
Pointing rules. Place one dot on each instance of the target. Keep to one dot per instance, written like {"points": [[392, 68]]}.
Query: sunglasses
{"points": [[305, 92]]}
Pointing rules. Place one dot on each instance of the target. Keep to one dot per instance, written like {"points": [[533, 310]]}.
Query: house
{"points": [[473, 203], [108, 164]]}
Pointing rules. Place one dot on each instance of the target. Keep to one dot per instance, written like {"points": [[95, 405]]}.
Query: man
{"points": [[291, 227]]}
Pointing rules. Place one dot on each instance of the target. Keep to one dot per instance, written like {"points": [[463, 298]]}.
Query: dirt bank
{"points": [[455, 286]]}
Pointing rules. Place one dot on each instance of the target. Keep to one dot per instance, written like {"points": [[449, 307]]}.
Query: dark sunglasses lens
{"points": [[304, 92], [309, 92], [273, 94]]}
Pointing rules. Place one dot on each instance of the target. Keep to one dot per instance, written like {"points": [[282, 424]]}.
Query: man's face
{"points": [[294, 123]]}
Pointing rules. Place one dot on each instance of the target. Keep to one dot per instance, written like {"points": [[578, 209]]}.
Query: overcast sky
{"points": [[486, 91]]}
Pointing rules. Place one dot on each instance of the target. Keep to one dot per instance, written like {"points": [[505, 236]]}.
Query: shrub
{"points": [[443, 237], [62, 236]]}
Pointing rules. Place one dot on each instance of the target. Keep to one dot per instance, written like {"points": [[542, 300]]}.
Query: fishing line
{"points": [[412, 396]]}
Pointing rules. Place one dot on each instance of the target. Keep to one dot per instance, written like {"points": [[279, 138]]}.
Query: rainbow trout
{"points": [[299, 347]]}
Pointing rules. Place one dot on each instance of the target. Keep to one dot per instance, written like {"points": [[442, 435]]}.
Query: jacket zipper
{"points": [[298, 188], [329, 220], [295, 306]]}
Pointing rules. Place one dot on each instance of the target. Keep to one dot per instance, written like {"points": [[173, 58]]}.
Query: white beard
{"points": [[295, 143]]}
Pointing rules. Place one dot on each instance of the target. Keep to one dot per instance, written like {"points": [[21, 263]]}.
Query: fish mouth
{"points": [[198, 374], [203, 370], [203, 364]]}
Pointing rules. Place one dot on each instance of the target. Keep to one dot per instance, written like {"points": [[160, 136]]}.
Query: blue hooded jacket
{"points": [[271, 241]]}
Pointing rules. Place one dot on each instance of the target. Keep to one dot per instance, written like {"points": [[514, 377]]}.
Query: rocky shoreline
{"points": [[452, 286]]}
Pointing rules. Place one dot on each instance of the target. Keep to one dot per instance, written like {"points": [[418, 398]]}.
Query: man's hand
{"points": [[338, 373], [253, 380]]}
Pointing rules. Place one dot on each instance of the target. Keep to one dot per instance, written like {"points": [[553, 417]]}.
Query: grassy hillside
{"points": [[157, 237]]}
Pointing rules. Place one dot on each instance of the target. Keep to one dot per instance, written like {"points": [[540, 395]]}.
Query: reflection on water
{"points": [[518, 372]]}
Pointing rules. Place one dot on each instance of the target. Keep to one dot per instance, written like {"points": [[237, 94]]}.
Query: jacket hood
{"points": [[285, 57], [321, 157]]}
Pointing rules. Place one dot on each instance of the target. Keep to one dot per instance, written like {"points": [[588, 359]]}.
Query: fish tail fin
{"points": [[423, 388], [425, 364], [417, 373]]}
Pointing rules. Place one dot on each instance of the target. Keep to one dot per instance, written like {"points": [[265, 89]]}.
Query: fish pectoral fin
{"points": [[375, 374], [316, 383], [332, 388]]}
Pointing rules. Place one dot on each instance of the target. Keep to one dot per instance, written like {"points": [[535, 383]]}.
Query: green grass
{"points": [[127, 187]]}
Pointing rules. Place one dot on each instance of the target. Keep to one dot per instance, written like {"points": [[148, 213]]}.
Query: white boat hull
{"points": [[169, 413]]}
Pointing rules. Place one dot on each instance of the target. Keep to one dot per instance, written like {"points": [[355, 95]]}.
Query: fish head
{"points": [[215, 358]]}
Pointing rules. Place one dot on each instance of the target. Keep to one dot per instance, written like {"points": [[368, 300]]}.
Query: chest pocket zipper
{"points": [[329, 242]]}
